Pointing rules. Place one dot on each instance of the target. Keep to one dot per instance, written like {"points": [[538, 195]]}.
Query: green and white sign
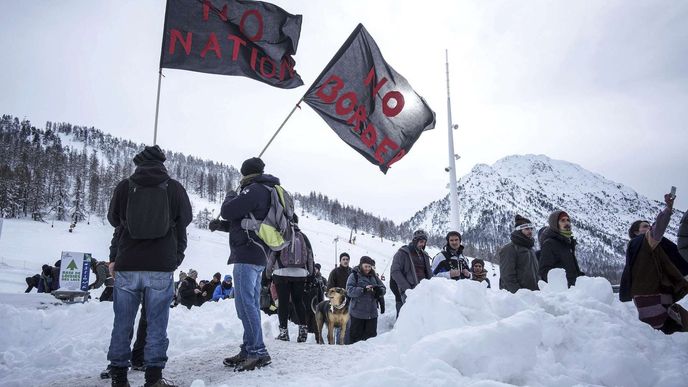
{"points": [[74, 270]]}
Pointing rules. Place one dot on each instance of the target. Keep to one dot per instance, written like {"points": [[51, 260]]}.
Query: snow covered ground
{"points": [[449, 333]]}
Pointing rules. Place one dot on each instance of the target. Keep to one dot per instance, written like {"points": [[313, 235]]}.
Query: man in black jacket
{"points": [[518, 264], [559, 248], [339, 275], [249, 255], [144, 267]]}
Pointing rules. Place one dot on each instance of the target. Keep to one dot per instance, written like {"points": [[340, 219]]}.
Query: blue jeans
{"points": [[247, 301], [130, 288]]}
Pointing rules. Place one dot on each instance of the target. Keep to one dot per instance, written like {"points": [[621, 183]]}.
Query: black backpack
{"points": [[148, 211]]}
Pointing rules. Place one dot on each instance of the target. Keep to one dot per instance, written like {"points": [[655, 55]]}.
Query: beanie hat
{"points": [[228, 278], [478, 260], [252, 166], [563, 214], [149, 153], [635, 227], [317, 266], [521, 223], [217, 275], [420, 234], [193, 273], [344, 255], [453, 233], [368, 260]]}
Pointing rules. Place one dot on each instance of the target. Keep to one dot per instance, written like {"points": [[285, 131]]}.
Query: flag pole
{"points": [[453, 194], [280, 127], [157, 108]]}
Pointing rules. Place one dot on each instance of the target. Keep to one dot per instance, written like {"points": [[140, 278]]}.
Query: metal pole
{"points": [[453, 194], [157, 108], [280, 128]]}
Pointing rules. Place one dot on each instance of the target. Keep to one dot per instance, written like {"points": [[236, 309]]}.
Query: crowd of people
{"points": [[274, 269]]}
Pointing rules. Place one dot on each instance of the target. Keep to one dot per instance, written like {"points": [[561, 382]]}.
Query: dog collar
{"points": [[340, 307]]}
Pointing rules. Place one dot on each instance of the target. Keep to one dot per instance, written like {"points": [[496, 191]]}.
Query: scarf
{"points": [[567, 234], [480, 277], [248, 179]]}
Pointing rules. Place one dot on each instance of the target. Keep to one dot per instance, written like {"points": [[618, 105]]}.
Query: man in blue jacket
{"points": [[249, 255]]}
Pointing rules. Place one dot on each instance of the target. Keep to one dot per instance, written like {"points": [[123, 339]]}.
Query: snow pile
{"points": [[557, 336]]}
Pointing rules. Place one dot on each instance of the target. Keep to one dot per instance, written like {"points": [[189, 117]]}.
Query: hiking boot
{"points": [[251, 363], [161, 383], [283, 335], [119, 376], [235, 360], [303, 334], [138, 367], [105, 374]]}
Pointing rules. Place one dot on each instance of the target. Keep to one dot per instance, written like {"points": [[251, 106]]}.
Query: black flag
{"points": [[368, 104], [232, 37]]}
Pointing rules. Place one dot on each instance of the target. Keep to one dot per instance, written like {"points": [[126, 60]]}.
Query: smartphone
{"points": [[673, 191]]}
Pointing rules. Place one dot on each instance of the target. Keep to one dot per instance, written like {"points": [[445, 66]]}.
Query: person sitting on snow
{"points": [[225, 290], [654, 274]]}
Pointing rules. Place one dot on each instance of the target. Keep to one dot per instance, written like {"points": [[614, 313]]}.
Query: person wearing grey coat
{"points": [[682, 241], [410, 265], [364, 288], [518, 264]]}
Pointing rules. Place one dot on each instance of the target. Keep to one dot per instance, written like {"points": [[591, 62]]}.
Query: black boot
{"points": [[283, 335], [234, 360], [303, 334], [119, 376], [252, 363]]}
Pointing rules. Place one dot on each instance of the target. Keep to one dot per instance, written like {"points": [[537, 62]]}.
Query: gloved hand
{"points": [[214, 224], [378, 291]]}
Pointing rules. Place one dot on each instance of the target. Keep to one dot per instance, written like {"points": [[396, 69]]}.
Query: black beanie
{"points": [[344, 255], [453, 233], [521, 220], [635, 226], [252, 166], [317, 266], [150, 153], [366, 259]]}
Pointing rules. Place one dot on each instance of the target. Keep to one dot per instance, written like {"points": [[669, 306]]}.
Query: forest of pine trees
{"points": [[68, 172]]}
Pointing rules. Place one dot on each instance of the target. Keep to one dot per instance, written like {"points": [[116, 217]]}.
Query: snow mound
{"points": [[558, 336]]}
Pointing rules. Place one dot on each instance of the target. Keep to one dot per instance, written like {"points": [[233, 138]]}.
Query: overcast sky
{"points": [[603, 84]]}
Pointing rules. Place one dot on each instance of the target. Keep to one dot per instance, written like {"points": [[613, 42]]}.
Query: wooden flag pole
{"points": [[280, 127], [157, 108]]}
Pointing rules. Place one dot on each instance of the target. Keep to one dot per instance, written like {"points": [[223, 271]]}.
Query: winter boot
{"points": [[235, 360], [303, 334], [105, 374], [251, 363], [154, 378], [119, 377], [283, 335]]}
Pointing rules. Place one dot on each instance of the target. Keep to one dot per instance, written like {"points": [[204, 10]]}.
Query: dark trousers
{"points": [[397, 296], [290, 289], [362, 329]]}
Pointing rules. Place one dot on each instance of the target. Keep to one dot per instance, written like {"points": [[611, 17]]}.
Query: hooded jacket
{"points": [[161, 254], [245, 246], [558, 251], [518, 265]]}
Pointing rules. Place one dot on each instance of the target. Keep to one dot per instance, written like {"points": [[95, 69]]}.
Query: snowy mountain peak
{"points": [[534, 186]]}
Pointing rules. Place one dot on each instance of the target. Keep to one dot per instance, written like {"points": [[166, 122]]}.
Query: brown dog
{"points": [[333, 312]]}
